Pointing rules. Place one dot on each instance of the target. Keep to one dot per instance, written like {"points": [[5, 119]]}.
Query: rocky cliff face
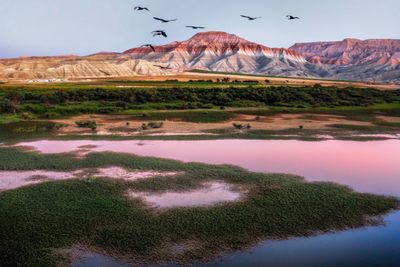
{"points": [[351, 52], [220, 51], [355, 59], [68, 67]]}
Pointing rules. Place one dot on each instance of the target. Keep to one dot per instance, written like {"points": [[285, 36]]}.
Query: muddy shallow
{"points": [[210, 194], [15, 179]]}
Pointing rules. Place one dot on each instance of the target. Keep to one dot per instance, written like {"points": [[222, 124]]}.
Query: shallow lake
{"points": [[372, 167], [365, 166]]}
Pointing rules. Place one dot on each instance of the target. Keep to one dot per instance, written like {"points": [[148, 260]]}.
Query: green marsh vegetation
{"points": [[96, 213], [203, 105], [357, 113], [27, 130], [265, 76], [197, 116], [55, 102]]}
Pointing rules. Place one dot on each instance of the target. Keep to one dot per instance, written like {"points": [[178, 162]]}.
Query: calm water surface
{"points": [[365, 166], [372, 167]]}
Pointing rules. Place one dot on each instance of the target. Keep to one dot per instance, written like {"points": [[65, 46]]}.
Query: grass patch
{"points": [[267, 76], [8, 118], [388, 124], [363, 113], [95, 212], [27, 130], [197, 116], [374, 129]]}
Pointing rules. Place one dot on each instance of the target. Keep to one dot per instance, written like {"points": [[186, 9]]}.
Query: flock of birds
{"points": [[164, 34]]}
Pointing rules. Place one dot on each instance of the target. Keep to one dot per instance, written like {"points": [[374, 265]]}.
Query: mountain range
{"points": [[375, 59], [350, 59]]}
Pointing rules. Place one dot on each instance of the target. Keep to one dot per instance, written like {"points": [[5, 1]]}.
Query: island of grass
{"points": [[38, 222]]}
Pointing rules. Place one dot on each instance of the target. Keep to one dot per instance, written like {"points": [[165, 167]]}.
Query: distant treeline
{"points": [[104, 100]]}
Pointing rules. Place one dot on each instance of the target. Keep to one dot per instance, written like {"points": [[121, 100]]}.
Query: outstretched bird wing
{"points": [[163, 20], [151, 46], [247, 17], [195, 27], [250, 18]]}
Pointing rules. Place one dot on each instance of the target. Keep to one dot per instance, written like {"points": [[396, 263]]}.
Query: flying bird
{"points": [[139, 8], [159, 33], [149, 45], [164, 20], [290, 17], [195, 27], [250, 18]]}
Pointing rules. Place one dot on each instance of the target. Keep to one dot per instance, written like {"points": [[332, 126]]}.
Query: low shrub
{"points": [[242, 126], [152, 125], [86, 124]]}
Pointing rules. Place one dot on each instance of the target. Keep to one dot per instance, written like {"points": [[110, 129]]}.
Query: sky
{"points": [[83, 27]]}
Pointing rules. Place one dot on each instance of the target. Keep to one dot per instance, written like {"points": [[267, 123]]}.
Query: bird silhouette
{"points": [[139, 8], [159, 33], [290, 17], [195, 27], [164, 20], [149, 45], [250, 18]]}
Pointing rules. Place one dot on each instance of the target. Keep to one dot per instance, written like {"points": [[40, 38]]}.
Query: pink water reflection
{"points": [[365, 166]]}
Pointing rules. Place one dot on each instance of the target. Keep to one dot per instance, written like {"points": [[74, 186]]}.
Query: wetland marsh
{"points": [[166, 187]]}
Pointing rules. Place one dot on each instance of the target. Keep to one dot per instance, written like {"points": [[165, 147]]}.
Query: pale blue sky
{"points": [[55, 27]]}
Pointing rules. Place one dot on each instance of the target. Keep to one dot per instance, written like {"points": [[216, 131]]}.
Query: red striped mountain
{"points": [[220, 51], [375, 59], [351, 52]]}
